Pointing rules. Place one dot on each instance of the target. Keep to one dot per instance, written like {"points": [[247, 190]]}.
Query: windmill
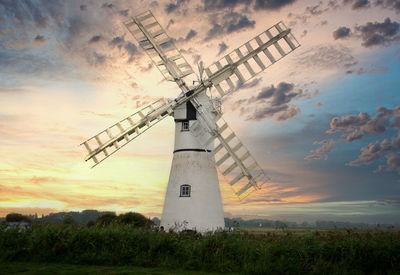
{"points": [[203, 140]]}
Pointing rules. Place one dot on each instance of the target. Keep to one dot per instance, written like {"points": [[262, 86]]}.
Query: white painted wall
{"points": [[202, 211]]}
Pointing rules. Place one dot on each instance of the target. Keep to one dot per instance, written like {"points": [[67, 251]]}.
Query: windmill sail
{"points": [[107, 142], [236, 163], [251, 58], [232, 158], [159, 46]]}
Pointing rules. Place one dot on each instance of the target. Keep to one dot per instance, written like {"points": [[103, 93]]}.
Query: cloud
{"points": [[212, 5], [320, 153], [376, 34], [95, 39], [389, 4], [40, 39], [357, 134], [230, 22], [327, 57], [272, 4], [319, 104], [325, 148], [374, 151], [96, 59], [83, 7], [132, 50], [108, 5], [316, 10], [272, 102], [341, 33], [312, 157], [222, 48], [171, 7], [357, 125], [358, 4], [189, 36]]}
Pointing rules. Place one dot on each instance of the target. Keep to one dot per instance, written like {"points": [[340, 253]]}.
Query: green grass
{"points": [[64, 269], [266, 252]]}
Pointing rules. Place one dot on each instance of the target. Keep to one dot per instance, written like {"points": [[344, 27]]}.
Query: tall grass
{"points": [[353, 252]]}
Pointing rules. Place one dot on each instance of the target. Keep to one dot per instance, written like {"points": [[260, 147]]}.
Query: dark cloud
{"points": [[95, 39], [230, 22], [319, 104], [212, 5], [124, 12], [272, 4], [341, 32], [117, 41], [131, 50], [83, 7], [375, 34], [389, 4], [222, 48], [171, 7], [317, 9], [108, 5], [271, 102], [170, 22], [192, 33], [279, 95], [358, 4], [40, 39]]}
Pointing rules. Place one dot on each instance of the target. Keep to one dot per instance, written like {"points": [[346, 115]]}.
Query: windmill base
{"points": [[193, 198]]}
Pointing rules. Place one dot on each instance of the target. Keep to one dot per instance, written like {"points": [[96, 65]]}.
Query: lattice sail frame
{"points": [[156, 43], [107, 142], [251, 58], [232, 158]]}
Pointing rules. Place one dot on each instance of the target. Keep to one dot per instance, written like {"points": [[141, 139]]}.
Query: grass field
{"points": [[245, 251]]}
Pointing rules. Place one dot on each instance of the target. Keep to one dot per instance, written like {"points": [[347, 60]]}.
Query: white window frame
{"points": [[185, 190]]}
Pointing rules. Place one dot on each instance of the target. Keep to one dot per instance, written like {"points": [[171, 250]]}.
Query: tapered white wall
{"points": [[202, 211]]}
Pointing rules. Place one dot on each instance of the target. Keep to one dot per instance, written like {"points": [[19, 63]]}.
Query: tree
{"points": [[15, 217], [135, 219], [105, 219], [68, 219]]}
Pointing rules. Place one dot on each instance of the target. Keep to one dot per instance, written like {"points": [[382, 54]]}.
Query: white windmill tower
{"points": [[203, 140]]}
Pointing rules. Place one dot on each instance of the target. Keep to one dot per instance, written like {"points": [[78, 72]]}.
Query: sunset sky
{"points": [[328, 134]]}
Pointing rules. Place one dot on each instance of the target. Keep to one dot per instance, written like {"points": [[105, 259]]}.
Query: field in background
{"points": [[248, 251]]}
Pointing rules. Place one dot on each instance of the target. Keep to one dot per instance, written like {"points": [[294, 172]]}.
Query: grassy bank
{"points": [[341, 252]]}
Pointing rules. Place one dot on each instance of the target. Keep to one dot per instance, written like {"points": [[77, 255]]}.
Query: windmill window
{"points": [[185, 126], [185, 190]]}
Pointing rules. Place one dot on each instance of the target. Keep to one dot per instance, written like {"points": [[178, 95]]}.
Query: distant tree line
{"points": [[264, 223], [104, 218]]}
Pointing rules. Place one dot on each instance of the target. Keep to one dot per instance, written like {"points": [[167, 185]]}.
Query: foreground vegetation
{"points": [[64, 269], [346, 251]]}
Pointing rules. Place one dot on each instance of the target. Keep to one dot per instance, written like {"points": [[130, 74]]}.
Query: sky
{"points": [[323, 122]]}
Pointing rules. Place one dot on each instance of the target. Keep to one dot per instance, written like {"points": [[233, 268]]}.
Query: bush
{"points": [[352, 252]]}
